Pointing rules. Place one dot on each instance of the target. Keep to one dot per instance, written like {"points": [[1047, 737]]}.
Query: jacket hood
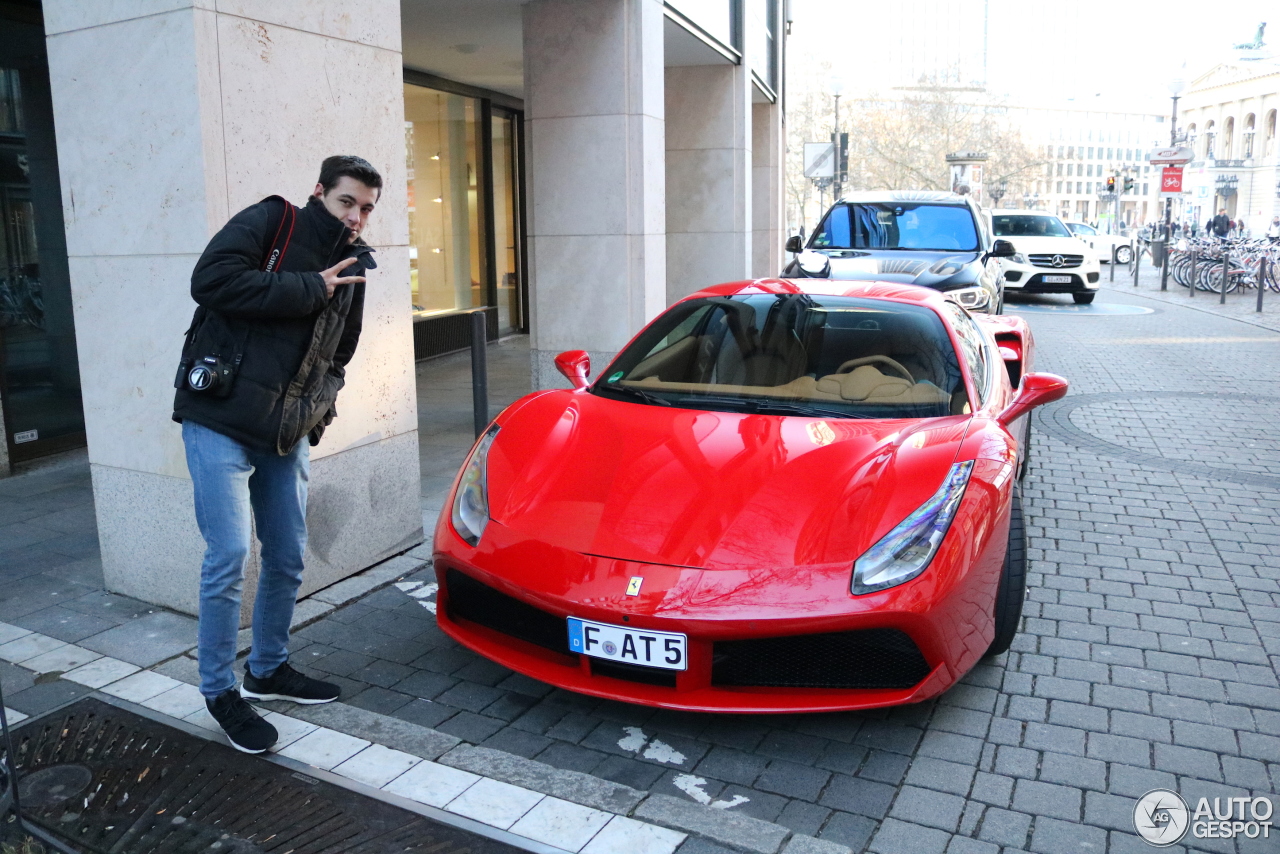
{"points": [[712, 490]]}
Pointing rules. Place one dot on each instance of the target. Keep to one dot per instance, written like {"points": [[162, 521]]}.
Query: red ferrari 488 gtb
{"points": [[782, 495]]}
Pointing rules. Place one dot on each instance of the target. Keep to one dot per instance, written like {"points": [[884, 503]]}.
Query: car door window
{"points": [[972, 349]]}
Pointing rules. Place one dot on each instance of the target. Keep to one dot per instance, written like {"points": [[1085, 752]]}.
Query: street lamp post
{"points": [[837, 187], [1176, 88], [997, 192]]}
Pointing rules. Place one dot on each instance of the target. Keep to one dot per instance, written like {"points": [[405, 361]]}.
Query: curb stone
{"points": [[573, 786], [371, 726], [734, 829], [809, 845]]}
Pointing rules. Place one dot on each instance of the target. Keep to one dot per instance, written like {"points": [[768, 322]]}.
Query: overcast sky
{"points": [[1108, 52]]}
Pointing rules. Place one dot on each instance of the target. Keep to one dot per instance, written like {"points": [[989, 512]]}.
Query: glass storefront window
{"points": [[506, 223], [713, 16], [446, 186]]}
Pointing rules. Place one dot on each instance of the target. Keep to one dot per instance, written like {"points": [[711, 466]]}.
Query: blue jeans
{"points": [[229, 479]]}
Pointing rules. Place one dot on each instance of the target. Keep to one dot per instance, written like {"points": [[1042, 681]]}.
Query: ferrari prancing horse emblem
{"points": [[633, 586]]}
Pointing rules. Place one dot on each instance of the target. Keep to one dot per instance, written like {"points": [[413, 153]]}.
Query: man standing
{"points": [[1273, 230], [281, 298], [1221, 224]]}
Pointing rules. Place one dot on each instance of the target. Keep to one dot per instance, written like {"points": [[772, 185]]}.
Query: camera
{"points": [[207, 374]]}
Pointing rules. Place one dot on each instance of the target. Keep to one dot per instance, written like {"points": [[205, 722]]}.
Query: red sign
{"points": [[1171, 180]]}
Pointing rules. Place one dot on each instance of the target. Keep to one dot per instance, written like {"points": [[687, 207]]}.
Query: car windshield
{"points": [[793, 354], [893, 225], [1081, 228], [1029, 225]]}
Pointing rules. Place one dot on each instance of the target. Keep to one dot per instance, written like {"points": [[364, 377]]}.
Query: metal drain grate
{"points": [[109, 781]]}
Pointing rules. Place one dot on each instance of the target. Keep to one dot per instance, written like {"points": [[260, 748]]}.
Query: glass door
{"points": [[506, 221]]}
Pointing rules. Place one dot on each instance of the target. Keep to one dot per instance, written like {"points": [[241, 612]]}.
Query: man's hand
{"points": [[332, 280]]}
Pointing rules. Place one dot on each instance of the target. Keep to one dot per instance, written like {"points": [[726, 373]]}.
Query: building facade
{"points": [[1080, 150], [569, 167], [1228, 119]]}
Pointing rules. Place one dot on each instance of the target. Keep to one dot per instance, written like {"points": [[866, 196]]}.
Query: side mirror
{"points": [[1036, 389], [794, 243], [575, 365], [1002, 249]]}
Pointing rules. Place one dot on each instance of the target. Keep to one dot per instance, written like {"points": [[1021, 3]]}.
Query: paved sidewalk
{"points": [[1148, 656], [1241, 305]]}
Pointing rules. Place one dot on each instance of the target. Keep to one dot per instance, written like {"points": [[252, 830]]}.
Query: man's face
{"points": [[350, 201]]}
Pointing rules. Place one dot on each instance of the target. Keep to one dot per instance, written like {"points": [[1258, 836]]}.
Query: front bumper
{"points": [[1030, 279], [508, 601]]}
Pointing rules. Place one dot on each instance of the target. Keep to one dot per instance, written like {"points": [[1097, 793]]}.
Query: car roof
{"points": [[891, 291], [903, 196]]}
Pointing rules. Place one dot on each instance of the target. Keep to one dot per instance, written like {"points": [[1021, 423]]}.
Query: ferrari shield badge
{"points": [[633, 586], [820, 433]]}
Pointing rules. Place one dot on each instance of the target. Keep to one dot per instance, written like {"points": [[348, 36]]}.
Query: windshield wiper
{"points": [[639, 394]]}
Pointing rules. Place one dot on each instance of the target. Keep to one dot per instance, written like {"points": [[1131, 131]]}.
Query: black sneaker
{"points": [[246, 731], [288, 684]]}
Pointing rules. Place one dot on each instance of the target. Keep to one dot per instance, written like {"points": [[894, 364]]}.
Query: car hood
{"points": [[1049, 245], [693, 488], [909, 267]]}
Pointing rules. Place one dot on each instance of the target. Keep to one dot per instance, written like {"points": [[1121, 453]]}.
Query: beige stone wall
{"points": [[171, 116]]}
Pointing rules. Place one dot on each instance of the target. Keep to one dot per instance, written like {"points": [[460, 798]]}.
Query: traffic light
{"points": [[1111, 185], [1128, 184]]}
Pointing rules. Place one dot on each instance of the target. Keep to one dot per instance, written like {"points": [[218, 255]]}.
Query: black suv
{"points": [[938, 240]]}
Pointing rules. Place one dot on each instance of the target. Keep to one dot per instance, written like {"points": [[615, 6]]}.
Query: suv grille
{"points": [[1067, 260], [872, 658], [478, 603]]}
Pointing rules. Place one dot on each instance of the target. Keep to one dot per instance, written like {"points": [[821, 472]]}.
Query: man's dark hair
{"points": [[351, 166]]}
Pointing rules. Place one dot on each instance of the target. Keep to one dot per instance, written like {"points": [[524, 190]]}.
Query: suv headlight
{"points": [[970, 298], [471, 501], [906, 551]]}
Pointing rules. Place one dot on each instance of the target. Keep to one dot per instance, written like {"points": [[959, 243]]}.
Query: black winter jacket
{"points": [[285, 343]]}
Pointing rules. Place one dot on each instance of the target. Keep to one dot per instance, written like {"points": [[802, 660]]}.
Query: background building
{"points": [[1228, 117], [567, 166]]}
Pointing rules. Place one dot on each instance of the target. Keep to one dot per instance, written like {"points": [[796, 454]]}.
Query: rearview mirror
{"points": [[1002, 249], [1036, 389], [794, 243], [575, 365]]}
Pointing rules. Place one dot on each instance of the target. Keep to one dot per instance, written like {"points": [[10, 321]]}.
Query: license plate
{"points": [[1057, 280], [664, 650]]}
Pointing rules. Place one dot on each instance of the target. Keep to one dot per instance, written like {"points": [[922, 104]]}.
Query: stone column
{"points": [[594, 122], [709, 220], [171, 117], [767, 198]]}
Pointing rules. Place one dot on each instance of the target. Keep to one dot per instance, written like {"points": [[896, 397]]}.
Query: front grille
{"points": [[1047, 260], [872, 658], [633, 672], [478, 603]]}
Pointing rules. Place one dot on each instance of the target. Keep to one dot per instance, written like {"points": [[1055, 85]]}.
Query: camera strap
{"points": [[274, 255]]}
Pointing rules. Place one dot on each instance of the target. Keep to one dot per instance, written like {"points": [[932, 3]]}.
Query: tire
{"points": [[1124, 255], [1012, 588], [1083, 299]]}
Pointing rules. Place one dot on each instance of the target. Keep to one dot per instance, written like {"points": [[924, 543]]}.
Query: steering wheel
{"points": [[883, 360]]}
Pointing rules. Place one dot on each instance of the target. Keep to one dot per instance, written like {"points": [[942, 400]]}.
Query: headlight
{"points": [[970, 298], [1019, 258], [471, 502], [906, 551]]}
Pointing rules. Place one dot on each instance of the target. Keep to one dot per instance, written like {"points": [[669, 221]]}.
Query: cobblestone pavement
{"points": [[1147, 659]]}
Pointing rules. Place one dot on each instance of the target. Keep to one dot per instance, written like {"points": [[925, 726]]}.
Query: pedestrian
{"points": [[280, 294], [1221, 224], [1273, 230]]}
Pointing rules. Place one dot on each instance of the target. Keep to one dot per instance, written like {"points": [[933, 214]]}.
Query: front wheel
{"points": [[1083, 299], [1012, 588], [1124, 254]]}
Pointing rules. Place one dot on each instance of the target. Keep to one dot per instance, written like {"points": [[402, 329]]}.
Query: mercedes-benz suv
{"points": [[938, 240], [1048, 258]]}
